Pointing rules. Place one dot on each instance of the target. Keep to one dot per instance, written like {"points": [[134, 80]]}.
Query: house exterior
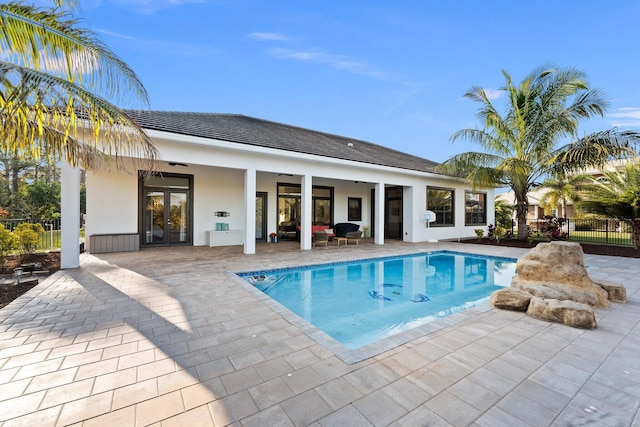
{"points": [[535, 209], [227, 179]]}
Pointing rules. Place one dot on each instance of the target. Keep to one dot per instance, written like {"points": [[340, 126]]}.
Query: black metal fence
{"points": [[600, 231]]}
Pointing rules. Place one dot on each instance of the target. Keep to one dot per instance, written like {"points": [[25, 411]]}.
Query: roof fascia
{"points": [[254, 149]]}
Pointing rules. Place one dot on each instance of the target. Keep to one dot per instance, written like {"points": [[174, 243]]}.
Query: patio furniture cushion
{"points": [[354, 236], [324, 228], [320, 237], [342, 228]]}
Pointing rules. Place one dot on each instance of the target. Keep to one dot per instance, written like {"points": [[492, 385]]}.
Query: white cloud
{"points": [[493, 93], [625, 116], [151, 6], [113, 34], [166, 47], [339, 62], [267, 37]]}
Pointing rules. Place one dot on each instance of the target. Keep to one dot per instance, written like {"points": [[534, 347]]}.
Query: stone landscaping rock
{"points": [[570, 313], [511, 299], [551, 283], [617, 293], [556, 270]]}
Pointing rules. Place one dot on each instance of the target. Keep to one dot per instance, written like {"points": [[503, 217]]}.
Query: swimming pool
{"points": [[361, 302]]}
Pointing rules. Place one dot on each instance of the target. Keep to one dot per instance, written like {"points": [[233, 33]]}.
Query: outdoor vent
{"points": [[222, 213]]}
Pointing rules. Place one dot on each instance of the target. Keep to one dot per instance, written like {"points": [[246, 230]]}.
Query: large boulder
{"points": [[510, 299], [570, 313], [556, 270]]}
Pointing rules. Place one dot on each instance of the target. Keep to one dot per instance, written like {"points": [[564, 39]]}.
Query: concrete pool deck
{"points": [[168, 337]]}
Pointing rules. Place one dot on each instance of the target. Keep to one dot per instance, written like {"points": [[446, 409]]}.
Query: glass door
{"points": [[261, 216], [393, 213], [177, 217], [166, 207], [154, 226]]}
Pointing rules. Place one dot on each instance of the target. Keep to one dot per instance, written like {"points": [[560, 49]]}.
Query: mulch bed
{"points": [[587, 248], [49, 260]]}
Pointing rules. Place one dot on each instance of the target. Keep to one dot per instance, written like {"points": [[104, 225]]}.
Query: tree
{"points": [[616, 194], [522, 145], [44, 200], [504, 214], [561, 189], [56, 80]]}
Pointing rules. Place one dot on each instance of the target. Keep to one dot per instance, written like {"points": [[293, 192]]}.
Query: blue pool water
{"points": [[361, 302]]}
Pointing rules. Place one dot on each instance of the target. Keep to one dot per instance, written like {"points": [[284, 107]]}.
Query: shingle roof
{"points": [[257, 132]]}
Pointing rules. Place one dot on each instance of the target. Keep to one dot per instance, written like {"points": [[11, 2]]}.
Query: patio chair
{"points": [[320, 237], [353, 237]]}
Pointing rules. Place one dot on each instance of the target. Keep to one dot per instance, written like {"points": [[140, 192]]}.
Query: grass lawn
{"points": [[50, 240], [611, 237]]}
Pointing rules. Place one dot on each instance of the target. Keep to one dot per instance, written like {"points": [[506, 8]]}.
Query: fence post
{"points": [[606, 231]]}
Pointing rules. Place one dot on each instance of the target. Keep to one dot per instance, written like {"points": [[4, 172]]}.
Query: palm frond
{"points": [[615, 194], [595, 150], [51, 41], [479, 169], [41, 113]]}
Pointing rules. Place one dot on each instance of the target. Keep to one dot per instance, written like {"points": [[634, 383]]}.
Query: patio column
{"points": [[305, 212], [379, 208], [70, 212], [250, 212]]}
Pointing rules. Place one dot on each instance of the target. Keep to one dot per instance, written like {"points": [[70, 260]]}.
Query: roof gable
{"points": [[257, 132]]}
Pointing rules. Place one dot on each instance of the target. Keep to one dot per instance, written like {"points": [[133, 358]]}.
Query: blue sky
{"points": [[391, 73]]}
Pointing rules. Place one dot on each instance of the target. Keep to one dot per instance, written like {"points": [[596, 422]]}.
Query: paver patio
{"points": [[168, 337]]}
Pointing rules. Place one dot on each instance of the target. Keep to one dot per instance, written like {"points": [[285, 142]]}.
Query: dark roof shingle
{"points": [[257, 132]]}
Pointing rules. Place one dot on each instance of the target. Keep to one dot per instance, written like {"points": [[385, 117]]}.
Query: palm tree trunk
{"points": [[521, 217]]}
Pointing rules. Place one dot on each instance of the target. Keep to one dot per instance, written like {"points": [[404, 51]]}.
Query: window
{"points": [[475, 208], [440, 201], [355, 209]]}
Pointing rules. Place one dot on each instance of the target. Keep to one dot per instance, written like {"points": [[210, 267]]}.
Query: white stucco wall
{"points": [[112, 203]]}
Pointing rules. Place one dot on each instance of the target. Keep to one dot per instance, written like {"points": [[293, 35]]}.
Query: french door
{"points": [[167, 211]]}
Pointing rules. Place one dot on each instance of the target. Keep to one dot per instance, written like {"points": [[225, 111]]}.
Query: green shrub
{"points": [[7, 244], [28, 236]]}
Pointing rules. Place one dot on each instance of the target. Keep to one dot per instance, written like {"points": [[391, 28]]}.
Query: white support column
{"points": [[305, 211], [70, 211], [250, 212], [380, 196]]}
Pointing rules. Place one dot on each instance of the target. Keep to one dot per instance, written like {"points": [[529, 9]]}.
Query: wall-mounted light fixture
{"points": [[222, 213]]}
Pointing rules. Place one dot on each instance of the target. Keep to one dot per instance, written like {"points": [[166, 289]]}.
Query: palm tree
{"points": [[561, 189], [615, 194], [521, 145], [56, 80]]}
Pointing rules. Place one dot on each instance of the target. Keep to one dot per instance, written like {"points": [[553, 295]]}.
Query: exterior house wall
{"points": [[218, 169], [112, 203]]}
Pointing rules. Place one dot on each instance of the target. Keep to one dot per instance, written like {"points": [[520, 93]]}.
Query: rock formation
{"points": [[552, 283]]}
